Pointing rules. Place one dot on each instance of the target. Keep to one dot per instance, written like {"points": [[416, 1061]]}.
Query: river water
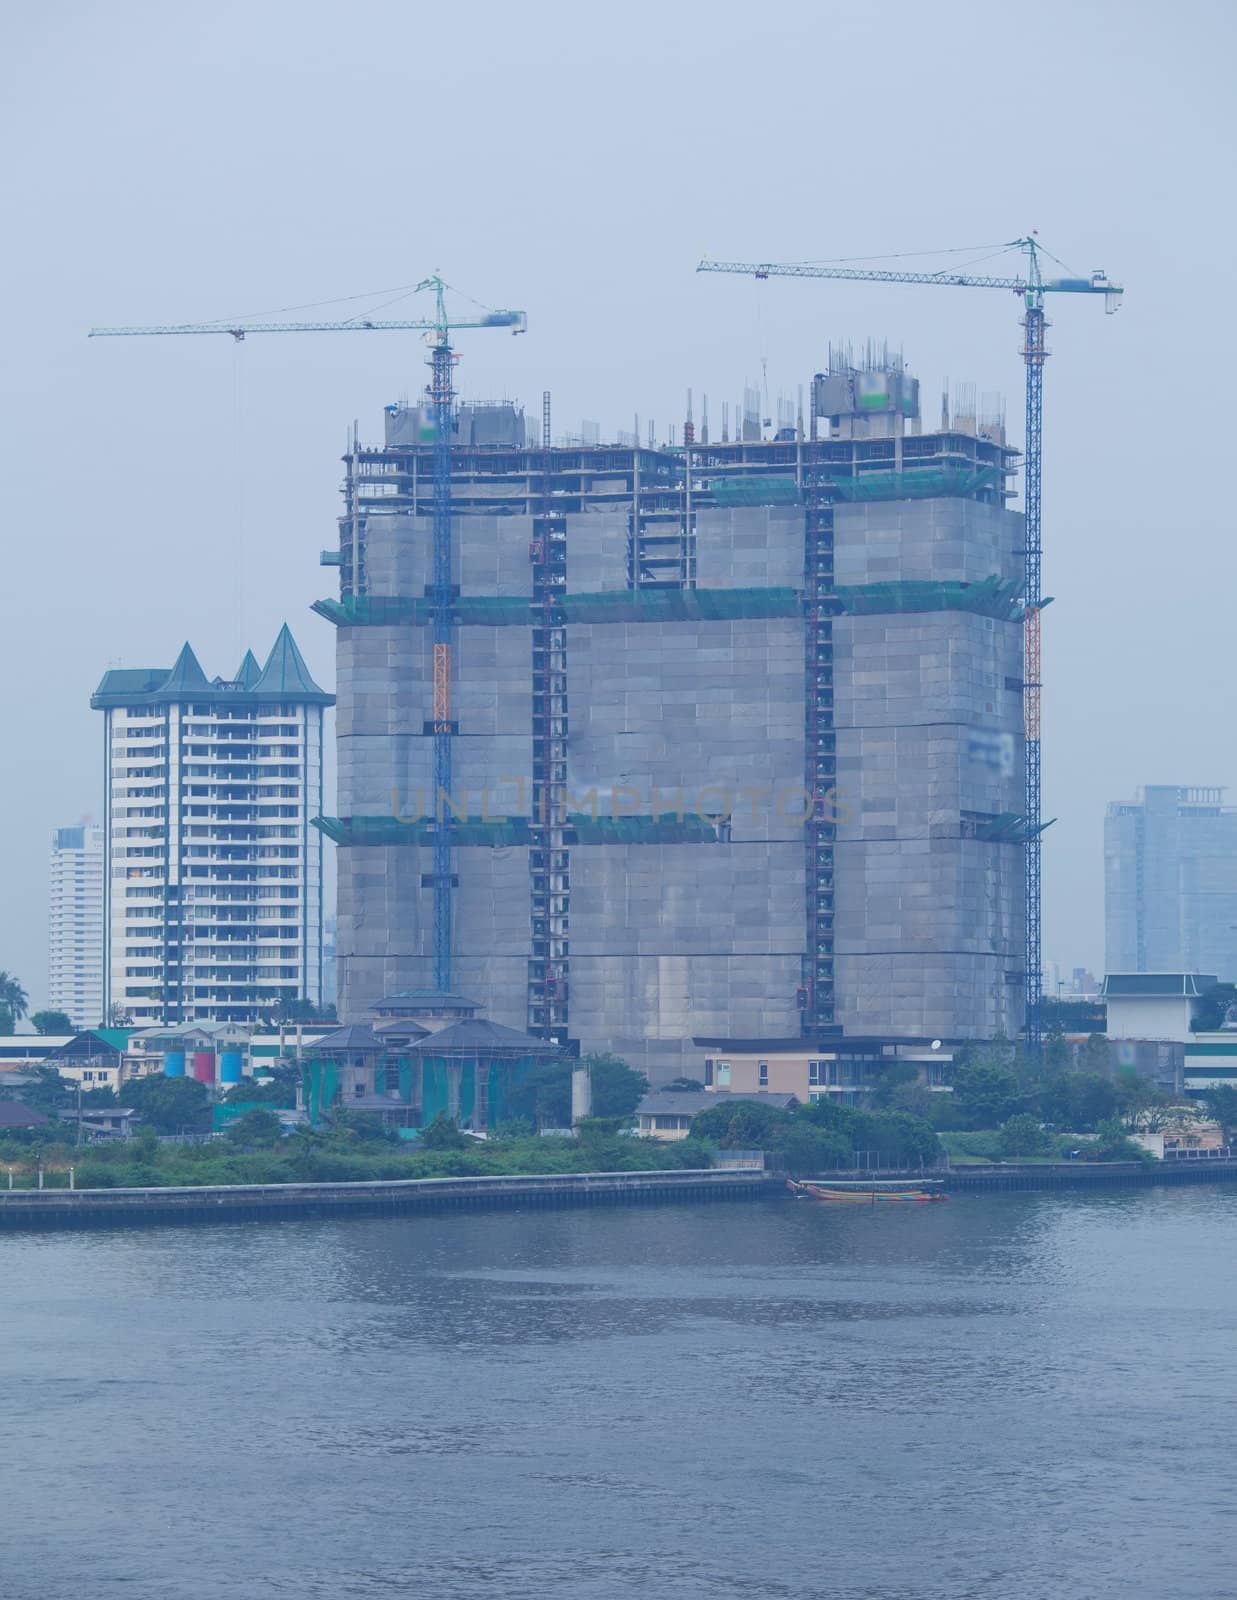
{"points": [[1009, 1396]]}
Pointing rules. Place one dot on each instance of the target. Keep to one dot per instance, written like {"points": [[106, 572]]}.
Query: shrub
{"points": [[1022, 1135]]}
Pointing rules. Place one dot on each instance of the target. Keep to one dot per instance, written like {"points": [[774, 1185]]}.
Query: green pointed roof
{"points": [[185, 678], [285, 675], [248, 673]]}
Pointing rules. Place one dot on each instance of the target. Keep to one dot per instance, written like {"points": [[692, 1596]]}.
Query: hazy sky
{"points": [[166, 163]]}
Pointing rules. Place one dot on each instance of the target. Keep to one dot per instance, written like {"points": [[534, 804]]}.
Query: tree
{"points": [[895, 1137], [52, 1022], [887, 1080], [743, 1125], [543, 1097], [914, 1097], [1213, 1008], [303, 1011], [1024, 1135], [1056, 1050], [1135, 1094], [255, 1129], [684, 1085], [346, 1129], [986, 1092], [805, 1151], [1072, 1016], [617, 1087], [13, 1002], [1079, 1101], [442, 1134], [1113, 1144], [1221, 1101], [49, 1090], [169, 1105]]}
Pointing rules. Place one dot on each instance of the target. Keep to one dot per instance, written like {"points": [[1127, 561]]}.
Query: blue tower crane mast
{"points": [[1031, 288], [438, 330]]}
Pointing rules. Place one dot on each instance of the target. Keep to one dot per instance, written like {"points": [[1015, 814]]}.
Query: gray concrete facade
{"points": [[928, 711], [672, 937]]}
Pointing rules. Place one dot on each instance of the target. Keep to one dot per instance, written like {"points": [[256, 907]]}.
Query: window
{"points": [[815, 1073], [762, 1074], [722, 1071], [708, 1073]]}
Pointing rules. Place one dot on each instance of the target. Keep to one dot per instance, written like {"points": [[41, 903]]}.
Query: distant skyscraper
{"points": [[1170, 882], [214, 882], [75, 925]]}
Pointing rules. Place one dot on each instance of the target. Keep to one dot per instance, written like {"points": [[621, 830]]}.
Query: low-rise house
{"points": [[102, 1123], [1155, 1005], [95, 1058], [669, 1113], [1186, 1141], [15, 1115], [841, 1071], [425, 1055], [29, 1049], [1152, 1026]]}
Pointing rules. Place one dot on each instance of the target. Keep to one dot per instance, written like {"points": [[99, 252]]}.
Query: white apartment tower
{"points": [[75, 925], [213, 885]]}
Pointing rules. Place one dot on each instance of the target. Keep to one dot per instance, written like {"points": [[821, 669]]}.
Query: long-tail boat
{"points": [[869, 1191]]}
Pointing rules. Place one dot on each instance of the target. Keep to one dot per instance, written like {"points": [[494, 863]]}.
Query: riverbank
{"points": [[1085, 1174], [51, 1208], [86, 1207]]}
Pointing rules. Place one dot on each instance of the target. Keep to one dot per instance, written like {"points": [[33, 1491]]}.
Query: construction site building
{"points": [[737, 728]]}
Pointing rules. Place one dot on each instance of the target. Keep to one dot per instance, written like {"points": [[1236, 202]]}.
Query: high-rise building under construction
{"points": [[736, 728]]}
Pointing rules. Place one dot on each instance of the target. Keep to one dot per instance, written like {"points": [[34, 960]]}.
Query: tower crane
{"points": [[1031, 289], [438, 329]]}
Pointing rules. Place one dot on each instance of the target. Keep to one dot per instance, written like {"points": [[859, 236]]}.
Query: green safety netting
{"points": [[618, 605], [677, 605], [434, 1092], [405, 1080], [673, 829], [374, 610], [755, 491], [583, 827], [498, 1078], [493, 610], [990, 597], [916, 484], [319, 1086]]}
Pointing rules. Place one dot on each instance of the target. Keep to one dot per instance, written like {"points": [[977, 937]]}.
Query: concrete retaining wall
{"points": [[87, 1207]]}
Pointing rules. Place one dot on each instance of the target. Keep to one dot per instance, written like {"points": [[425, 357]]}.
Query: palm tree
{"points": [[13, 998]]}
